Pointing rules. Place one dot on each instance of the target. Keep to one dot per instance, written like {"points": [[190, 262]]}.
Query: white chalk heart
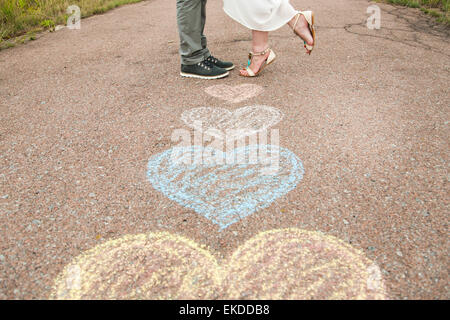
{"points": [[234, 94], [244, 121]]}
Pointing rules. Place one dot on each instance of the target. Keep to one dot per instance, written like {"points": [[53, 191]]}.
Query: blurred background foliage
{"points": [[18, 17]]}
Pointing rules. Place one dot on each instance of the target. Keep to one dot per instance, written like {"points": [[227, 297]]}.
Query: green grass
{"points": [[439, 9], [23, 18]]}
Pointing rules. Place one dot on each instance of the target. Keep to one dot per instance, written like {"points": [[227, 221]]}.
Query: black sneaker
{"points": [[221, 64], [203, 70]]}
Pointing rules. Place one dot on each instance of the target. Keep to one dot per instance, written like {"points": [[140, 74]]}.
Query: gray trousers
{"points": [[191, 17]]}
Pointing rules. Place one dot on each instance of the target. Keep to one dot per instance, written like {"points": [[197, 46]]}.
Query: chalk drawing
{"points": [[277, 264], [299, 264], [234, 94], [244, 121], [224, 193]]}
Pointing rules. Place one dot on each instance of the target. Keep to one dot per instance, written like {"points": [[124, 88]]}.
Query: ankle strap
{"points": [[296, 20], [251, 53]]}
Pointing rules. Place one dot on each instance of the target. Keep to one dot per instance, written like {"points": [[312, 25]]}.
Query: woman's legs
{"points": [[260, 40], [260, 43], [302, 29]]}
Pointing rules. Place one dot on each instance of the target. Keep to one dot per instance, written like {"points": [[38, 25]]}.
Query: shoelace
{"points": [[212, 59], [206, 64]]}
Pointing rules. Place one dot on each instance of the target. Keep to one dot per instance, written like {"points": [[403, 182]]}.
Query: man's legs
{"points": [[196, 60], [191, 17], [205, 50]]}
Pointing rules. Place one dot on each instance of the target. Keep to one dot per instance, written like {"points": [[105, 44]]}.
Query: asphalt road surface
{"points": [[92, 206]]}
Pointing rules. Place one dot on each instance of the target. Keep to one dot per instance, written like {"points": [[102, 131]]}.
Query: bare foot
{"points": [[302, 30], [255, 65]]}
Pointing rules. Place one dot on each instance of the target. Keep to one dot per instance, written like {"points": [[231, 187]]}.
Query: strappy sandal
{"points": [[271, 58], [309, 16]]}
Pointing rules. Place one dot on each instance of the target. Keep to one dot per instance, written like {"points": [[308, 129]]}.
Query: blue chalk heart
{"points": [[221, 190]]}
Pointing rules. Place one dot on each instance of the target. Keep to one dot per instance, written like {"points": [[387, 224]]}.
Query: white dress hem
{"points": [[260, 15]]}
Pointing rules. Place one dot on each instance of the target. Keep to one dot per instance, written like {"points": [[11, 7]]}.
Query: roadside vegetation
{"points": [[439, 9], [21, 19]]}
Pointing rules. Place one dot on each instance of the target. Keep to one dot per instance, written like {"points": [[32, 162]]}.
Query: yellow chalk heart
{"points": [[278, 264]]}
